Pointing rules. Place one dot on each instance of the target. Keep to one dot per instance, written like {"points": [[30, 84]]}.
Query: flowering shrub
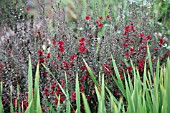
{"points": [[94, 39]]}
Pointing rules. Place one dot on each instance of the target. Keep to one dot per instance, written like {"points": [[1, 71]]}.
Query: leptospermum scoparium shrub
{"points": [[62, 46]]}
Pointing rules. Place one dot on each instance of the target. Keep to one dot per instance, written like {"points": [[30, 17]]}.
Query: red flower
{"points": [[156, 49], [148, 37], [100, 25], [83, 67], [141, 64], [97, 21], [54, 42], [131, 50], [106, 68], [168, 52], [48, 55], [121, 76], [41, 60], [125, 44], [108, 16], [129, 68], [82, 49], [84, 77], [127, 54], [58, 56], [56, 101], [73, 57], [127, 29], [82, 40], [40, 52], [61, 43], [9, 51], [101, 18], [88, 97], [62, 99], [53, 85], [88, 17], [61, 48], [73, 97], [27, 8], [123, 63], [44, 74], [160, 42], [65, 65], [82, 88], [142, 35]]}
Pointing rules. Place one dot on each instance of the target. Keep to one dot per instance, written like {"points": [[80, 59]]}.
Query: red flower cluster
{"points": [[27, 9], [73, 57], [40, 52], [82, 47], [61, 46], [88, 17], [160, 42], [48, 55], [127, 29]]}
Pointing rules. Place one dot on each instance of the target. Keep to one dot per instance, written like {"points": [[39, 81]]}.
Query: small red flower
{"points": [[141, 63], [73, 57], [127, 54], [168, 52], [73, 97], [127, 29], [61, 48], [58, 56], [100, 25], [97, 21], [148, 37], [121, 76], [129, 68], [82, 40], [9, 51], [88, 97], [56, 101], [156, 49], [83, 67], [44, 74], [45, 89], [142, 35], [82, 49], [84, 77], [160, 42], [101, 18], [108, 16], [124, 44], [48, 55], [41, 60], [40, 52], [27, 8], [88, 17], [54, 42], [82, 88], [65, 65], [132, 50], [61, 43]]}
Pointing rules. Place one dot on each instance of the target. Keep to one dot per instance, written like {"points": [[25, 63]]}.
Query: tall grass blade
{"points": [[118, 81], [30, 84], [91, 73], [1, 105], [11, 104], [36, 91], [86, 105], [77, 94]]}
